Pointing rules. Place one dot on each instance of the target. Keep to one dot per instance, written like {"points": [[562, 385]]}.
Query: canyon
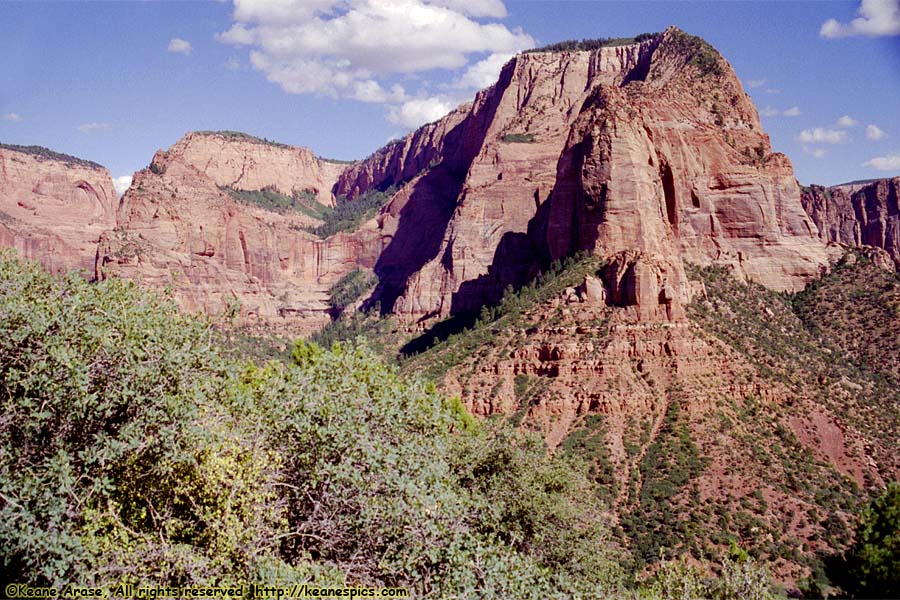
{"points": [[642, 168]]}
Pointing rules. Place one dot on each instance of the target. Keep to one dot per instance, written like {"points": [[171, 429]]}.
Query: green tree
{"points": [[874, 560]]}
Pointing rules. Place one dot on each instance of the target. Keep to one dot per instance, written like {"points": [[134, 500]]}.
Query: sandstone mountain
{"points": [[648, 151], [54, 207], [650, 148], [664, 352], [865, 213], [186, 224]]}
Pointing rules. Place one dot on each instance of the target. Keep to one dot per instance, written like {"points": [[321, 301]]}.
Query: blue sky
{"points": [[113, 82]]}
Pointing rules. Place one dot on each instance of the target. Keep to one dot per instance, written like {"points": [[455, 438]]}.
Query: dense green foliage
{"points": [[271, 199], [130, 451], [874, 560], [349, 213], [45, 153], [350, 288], [670, 463], [592, 44]]}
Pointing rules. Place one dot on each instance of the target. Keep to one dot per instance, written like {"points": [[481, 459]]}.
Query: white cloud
{"points": [[891, 162], [820, 135], [474, 8], [756, 83], [815, 152], [768, 111], [413, 113], [484, 73], [180, 46], [772, 91], [874, 132], [876, 18], [847, 121], [14, 117], [233, 64], [368, 50], [92, 127], [122, 184]]}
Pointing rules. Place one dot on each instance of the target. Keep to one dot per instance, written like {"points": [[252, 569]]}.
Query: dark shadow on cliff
{"points": [[438, 333], [424, 219], [519, 258]]}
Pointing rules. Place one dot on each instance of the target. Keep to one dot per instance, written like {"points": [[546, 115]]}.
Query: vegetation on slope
{"points": [[450, 343], [348, 214], [271, 199], [240, 136], [46, 154], [698, 52], [350, 288], [856, 307]]}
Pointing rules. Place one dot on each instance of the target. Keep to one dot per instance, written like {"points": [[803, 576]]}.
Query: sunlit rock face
{"points": [[54, 208]]}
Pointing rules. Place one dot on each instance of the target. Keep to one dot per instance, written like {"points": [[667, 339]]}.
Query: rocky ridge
{"points": [[177, 227], [864, 214], [649, 154]]}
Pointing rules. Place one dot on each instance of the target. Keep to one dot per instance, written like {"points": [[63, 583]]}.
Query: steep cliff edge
{"points": [[54, 207], [650, 151], [180, 227], [241, 161], [866, 214]]}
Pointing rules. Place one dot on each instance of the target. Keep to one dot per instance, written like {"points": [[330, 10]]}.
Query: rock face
{"points": [[650, 154], [858, 215], [54, 207], [244, 162], [178, 229]]}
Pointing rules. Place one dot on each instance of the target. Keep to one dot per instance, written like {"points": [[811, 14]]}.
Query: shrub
{"points": [[271, 199], [122, 453], [131, 452], [874, 559], [518, 138]]}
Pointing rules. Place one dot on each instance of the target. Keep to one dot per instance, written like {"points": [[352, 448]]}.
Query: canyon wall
{"points": [[54, 207], [856, 215]]}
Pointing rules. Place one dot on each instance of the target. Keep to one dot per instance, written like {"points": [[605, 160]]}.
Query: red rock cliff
{"points": [[865, 214], [53, 207], [177, 228], [649, 152]]}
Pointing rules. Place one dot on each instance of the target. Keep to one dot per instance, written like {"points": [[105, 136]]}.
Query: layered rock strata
{"points": [[649, 153], [178, 229], [53, 207], [858, 215]]}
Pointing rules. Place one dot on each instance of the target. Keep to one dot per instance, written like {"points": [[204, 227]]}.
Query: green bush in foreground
{"points": [[131, 451]]}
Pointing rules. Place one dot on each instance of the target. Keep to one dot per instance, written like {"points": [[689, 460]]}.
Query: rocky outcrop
{"points": [[54, 207], [650, 149], [865, 214], [178, 229], [244, 162]]}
